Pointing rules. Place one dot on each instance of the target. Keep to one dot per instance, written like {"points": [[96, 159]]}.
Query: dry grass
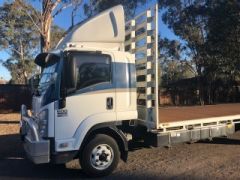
{"points": [[10, 117], [9, 129], [9, 123]]}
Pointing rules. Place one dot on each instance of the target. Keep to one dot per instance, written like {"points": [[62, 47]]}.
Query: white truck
{"points": [[99, 88]]}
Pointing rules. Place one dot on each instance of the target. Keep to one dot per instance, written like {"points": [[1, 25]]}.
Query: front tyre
{"points": [[100, 156]]}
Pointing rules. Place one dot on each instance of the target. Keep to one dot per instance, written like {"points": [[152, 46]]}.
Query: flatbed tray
{"points": [[176, 114]]}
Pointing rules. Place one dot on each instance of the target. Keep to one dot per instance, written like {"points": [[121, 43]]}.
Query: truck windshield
{"points": [[47, 77]]}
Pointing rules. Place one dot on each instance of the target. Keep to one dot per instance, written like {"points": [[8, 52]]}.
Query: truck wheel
{"points": [[100, 156]]}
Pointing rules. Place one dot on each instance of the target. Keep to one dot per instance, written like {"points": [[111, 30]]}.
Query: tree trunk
{"points": [[200, 86], [46, 27], [46, 37], [23, 74]]}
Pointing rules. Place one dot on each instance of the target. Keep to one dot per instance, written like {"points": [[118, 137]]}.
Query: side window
{"points": [[93, 69]]}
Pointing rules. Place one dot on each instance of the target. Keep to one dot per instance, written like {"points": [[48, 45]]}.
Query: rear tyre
{"points": [[100, 156]]}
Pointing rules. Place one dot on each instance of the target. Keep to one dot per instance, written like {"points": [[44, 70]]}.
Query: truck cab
{"points": [[86, 92]]}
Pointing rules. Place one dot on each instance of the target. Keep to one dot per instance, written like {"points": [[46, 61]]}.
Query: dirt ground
{"points": [[219, 159]]}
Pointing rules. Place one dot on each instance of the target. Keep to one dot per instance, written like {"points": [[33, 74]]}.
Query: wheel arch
{"points": [[113, 131]]}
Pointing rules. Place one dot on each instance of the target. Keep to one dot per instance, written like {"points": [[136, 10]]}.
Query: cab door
{"points": [[94, 96]]}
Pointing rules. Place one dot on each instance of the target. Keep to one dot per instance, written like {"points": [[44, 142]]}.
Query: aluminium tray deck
{"points": [[176, 114]]}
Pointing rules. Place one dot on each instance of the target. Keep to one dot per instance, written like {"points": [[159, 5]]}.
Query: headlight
{"points": [[43, 123]]}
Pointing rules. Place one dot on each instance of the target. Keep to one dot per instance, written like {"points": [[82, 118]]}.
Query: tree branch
{"points": [[15, 50], [61, 9], [19, 53], [36, 26], [31, 18], [66, 6]]}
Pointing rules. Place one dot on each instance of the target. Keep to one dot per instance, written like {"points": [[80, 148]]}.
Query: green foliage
{"points": [[224, 38], [19, 39], [20, 70], [173, 68], [211, 31], [95, 6], [187, 20], [170, 49]]}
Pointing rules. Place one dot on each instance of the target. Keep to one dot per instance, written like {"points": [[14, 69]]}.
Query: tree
{"points": [[169, 49], [19, 39], [223, 42], [224, 36], [95, 6], [211, 31], [173, 66], [56, 35], [43, 22], [188, 20]]}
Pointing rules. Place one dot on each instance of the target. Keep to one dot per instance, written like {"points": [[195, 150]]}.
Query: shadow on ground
{"points": [[14, 165], [222, 140]]}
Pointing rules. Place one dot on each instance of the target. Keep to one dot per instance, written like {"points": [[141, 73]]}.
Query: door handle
{"points": [[109, 104]]}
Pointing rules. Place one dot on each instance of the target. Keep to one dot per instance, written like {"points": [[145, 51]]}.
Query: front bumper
{"points": [[36, 148]]}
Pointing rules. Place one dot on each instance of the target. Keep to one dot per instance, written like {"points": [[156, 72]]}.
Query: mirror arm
{"points": [[62, 103], [68, 80], [62, 100]]}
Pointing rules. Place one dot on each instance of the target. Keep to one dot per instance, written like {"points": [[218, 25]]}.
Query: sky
{"points": [[63, 20]]}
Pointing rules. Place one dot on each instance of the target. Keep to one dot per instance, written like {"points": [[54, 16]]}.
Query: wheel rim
{"points": [[102, 156]]}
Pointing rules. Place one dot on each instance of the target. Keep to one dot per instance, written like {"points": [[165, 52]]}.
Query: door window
{"points": [[93, 69]]}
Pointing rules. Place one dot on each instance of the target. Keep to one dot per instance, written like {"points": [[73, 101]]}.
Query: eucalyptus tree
{"points": [[188, 21], [19, 39], [211, 31], [43, 21]]}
